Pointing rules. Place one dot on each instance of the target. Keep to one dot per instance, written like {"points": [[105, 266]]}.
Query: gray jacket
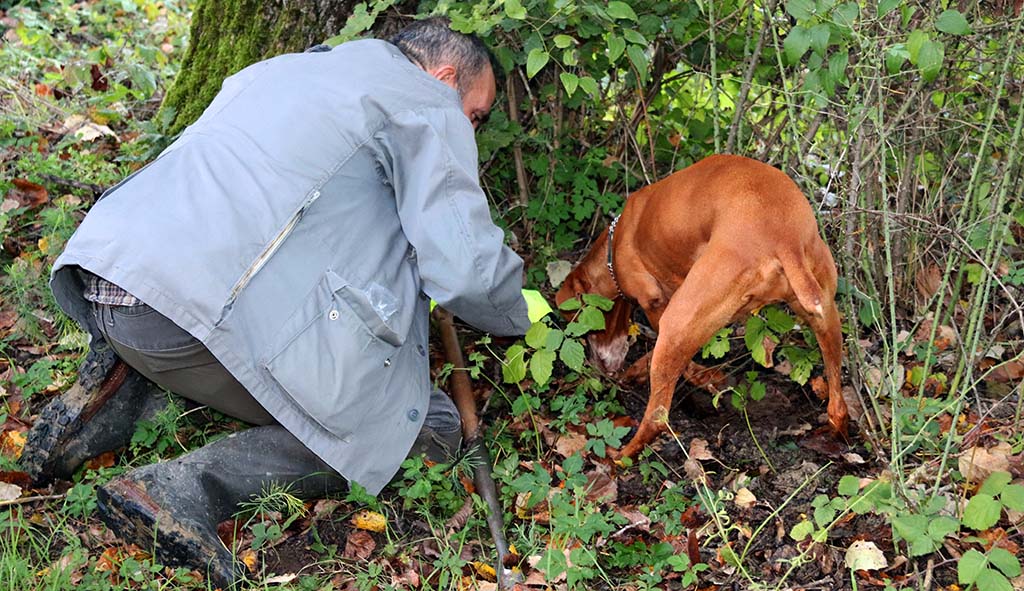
{"points": [[298, 229]]}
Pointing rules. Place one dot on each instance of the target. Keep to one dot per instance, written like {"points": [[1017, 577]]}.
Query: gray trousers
{"points": [[172, 358]]}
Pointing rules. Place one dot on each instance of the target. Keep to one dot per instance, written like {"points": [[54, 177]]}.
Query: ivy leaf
{"points": [[621, 10], [541, 365], [536, 60], [796, 44], [513, 369], [638, 56], [514, 10], [952, 22], [589, 85], [570, 81], [616, 47], [800, 9], [572, 354], [929, 60], [982, 512], [563, 41]]}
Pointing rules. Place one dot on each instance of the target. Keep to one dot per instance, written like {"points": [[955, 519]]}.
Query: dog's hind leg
{"points": [[713, 292]]}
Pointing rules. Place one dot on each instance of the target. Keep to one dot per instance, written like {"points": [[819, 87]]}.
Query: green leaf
{"points": [[616, 47], [563, 41], [846, 14], [634, 37], [638, 56], [982, 512], [1013, 497], [1005, 561], [718, 346], [514, 10], [541, 364], [990, 580], [837, 65], [820, 34], [970, 566], [552, 563], [801, 530], [995, 483], [536, 60], [513, 369], [942, 526], [800, 9], [570, 57], [849, 485], [915, 41], [570, 304], [778, 320], [570, 81], [537, 334], [929, 60], [887, 6], [952, 22], [598, 301], [572, 354], [895, 56], [589, 85], [553, 340], [592, 319], [796, 44], [621, 10]]}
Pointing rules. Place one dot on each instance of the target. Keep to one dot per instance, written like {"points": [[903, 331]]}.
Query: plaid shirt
{"points": [[101, 291]]}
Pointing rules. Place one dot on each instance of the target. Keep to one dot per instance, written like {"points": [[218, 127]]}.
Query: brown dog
{"points": [[702, 248]]}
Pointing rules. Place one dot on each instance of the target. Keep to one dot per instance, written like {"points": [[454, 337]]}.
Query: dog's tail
{"points": [[803, 282]]}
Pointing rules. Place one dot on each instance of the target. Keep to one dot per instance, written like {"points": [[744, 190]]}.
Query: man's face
{"points": [[478, 97], [477, 92]]}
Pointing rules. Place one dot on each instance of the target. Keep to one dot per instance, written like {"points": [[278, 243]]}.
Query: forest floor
{"points": [[742, 494]]}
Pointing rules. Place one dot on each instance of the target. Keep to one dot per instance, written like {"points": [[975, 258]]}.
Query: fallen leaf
{"points": [[1008, 372], [570, 443], [9, 204], [694, 471], [104, 460], [248, 558], [90, 131], [601, 488], [864, 555], [359, 545], [12, 443], [927, 281], [485, 571], [699, 449], [281, 579], [977, 463], [853, 458], [744, 499], [635, 520], [9, 492], [557, 271], [370, 520], [27, 193]]}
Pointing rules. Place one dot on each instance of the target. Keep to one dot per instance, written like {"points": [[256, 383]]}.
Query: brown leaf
{"points": [[12, 443], [570, 443], [744, 499], [928, 280], [998, 537], [359, 545], [1008, 372], [769, 349], [16, 477], [99, 80], [27, 193], [692, 546], [601, 488], [104, 460], [699, 449], [977, 463]]}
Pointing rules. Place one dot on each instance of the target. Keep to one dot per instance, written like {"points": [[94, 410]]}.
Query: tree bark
{"points": [[228, 35]]}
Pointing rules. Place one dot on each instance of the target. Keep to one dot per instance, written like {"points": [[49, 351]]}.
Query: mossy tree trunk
{"points": [[228, 35]]}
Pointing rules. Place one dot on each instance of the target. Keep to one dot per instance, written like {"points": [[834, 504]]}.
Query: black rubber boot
{"points": [[178, 503], [97, 414]]}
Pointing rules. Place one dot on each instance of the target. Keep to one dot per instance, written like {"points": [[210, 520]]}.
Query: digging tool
{"points": [[462, 392]]}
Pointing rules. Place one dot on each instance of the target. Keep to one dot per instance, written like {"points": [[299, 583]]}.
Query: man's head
{"points": [[462, 62]]}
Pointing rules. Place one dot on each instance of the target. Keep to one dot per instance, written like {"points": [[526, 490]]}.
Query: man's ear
{"points": [[445, 73]]}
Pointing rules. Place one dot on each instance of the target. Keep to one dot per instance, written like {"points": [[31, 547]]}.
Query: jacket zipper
{"points": [[271, 248]]}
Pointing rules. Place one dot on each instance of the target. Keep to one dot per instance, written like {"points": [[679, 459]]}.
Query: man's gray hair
{"points": [[431, 43]]}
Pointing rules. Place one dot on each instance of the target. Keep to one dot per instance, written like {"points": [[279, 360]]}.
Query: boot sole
{"points": [[136, 518], [66, 414]]}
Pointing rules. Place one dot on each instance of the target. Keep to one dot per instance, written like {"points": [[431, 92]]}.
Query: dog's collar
{"points": [[611, 256]]}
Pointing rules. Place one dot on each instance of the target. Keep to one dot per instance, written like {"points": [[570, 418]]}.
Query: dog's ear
{"points": [[575, 284], [609, 347]]}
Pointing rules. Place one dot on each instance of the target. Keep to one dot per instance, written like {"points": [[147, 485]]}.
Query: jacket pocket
{"points": [[333, 356]]}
